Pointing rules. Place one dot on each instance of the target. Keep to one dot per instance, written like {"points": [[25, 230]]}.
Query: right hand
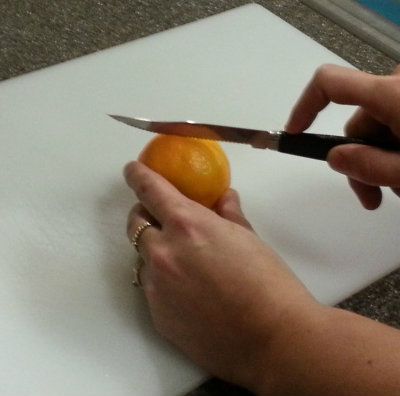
{"points": [[378, 98]]}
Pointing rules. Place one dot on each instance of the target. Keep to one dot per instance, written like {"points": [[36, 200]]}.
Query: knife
{"points": [[308, 145]]}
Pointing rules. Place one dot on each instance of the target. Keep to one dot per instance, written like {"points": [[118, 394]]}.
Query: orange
{"points": [[198, 168]]}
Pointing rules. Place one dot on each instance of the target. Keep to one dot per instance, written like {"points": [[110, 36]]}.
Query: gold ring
{"points": [[137, 281], [138, 233]]}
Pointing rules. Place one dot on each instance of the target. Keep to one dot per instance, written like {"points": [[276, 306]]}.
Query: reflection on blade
{"points": [[256, 138]]}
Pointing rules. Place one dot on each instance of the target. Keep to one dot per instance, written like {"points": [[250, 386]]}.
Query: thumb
{"points": [[229, 208], [366, 164]]}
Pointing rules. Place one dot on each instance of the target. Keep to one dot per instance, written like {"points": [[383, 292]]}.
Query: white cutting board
{"points": [[71, 323]]}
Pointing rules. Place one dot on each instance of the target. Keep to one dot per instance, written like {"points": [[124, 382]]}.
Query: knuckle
{"points": [[143, 187], [323, 72], [386, 87], [189, 231], [375, 168], [379, 86], [162, 263], [158, 257], [182, 220], [350, 127]]}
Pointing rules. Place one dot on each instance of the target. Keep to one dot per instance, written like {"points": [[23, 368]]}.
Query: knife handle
{"points": [[316, 146]]}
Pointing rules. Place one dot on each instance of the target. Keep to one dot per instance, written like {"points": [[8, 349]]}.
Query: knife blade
{"points": [[309, 145]]}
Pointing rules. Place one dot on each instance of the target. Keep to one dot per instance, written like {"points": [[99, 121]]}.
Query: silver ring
{"points": [[138, 233]]}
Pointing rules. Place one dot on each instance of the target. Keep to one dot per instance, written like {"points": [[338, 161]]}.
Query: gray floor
{"points": [[39, 33], [369, 26]]}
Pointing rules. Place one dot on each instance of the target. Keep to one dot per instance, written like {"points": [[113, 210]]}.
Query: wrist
{"points": [[278, 358]]}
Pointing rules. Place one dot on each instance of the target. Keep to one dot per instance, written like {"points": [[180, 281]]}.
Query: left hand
{"points": [[213, 287]]}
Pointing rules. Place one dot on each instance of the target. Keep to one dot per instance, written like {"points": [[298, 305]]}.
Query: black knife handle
{"points": [[316, 146]]}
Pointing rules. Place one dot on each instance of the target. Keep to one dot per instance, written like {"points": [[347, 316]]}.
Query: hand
{"points": [[367, 168], [213, 287]]}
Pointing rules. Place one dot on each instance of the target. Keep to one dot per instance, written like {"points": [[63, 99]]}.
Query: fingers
{"points": [[156, 194], [369, 196], [366, 164], [229, 208], [340, 85], [150, 236], [330, 83], [377, 96], [363, 125]]}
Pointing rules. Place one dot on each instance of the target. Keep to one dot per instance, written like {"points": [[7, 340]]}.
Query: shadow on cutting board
{"points": [[113, 207], [80, 285], [117, 267]]}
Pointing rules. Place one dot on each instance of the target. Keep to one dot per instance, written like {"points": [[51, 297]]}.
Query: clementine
{"points": [[198, 168]]}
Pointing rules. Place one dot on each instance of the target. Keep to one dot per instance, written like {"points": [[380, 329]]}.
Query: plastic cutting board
{"points": [[70, 321]]}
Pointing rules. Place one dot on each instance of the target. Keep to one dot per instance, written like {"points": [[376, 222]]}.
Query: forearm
{"points": [[334, 352]]}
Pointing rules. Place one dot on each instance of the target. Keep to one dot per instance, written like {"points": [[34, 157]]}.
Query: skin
{"points": [[228, 301], [378, 98]]}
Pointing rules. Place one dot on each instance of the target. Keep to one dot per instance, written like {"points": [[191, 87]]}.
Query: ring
{"points": [[138, 233], [137, 281]]}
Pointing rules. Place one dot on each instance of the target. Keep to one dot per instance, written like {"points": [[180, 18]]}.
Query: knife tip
{"points": [[118, 118]]}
